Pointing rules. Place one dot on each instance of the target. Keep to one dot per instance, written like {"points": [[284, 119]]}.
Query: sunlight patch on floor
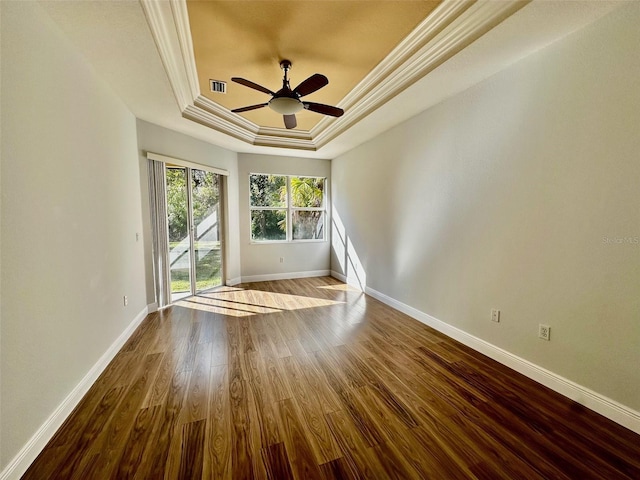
{"points": [[237, 302]]}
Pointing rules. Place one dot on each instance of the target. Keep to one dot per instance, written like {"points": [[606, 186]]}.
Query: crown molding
{"points": [[208, 113], [439, 19], [451, 27], [456, 29], [208, 119], [181, 20], [160, 17], [224, 114], [279, 137]]}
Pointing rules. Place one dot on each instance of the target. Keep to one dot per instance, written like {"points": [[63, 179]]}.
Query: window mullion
{"points": [[267, 208]]}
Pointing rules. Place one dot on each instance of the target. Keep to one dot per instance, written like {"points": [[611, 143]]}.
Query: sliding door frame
{"points": [[191, 229], [222, 175]]}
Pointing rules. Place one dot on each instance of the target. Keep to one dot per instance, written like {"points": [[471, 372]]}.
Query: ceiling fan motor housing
{"points": [[285, 102]]}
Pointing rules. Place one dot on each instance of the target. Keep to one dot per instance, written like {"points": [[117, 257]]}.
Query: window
{"points": [[285, 208]]}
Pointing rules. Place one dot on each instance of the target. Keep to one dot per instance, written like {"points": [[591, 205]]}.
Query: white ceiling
{"points": [[116, 40]]}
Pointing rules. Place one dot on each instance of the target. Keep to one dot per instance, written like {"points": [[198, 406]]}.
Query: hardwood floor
{"points": [[309, 379]]}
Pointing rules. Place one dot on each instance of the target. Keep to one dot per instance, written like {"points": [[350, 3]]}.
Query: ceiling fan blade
{"points": [[313, 83], [323, 109], [290, 121], [250, 107], [250, 84]]}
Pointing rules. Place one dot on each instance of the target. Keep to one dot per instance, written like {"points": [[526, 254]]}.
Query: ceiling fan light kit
{"points": [[287, 102], [285, 105]]}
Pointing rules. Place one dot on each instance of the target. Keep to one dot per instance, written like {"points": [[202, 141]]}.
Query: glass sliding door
{"points": [[193, 219], [205, 192], [179, 228]]}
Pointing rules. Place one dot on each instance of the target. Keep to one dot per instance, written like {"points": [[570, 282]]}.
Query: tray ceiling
{"points": [[395, 54], [144, 51], [342, 40]]}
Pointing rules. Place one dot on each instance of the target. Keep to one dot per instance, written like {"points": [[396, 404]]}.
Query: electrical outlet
{"points": [[495, 315], [281, 259], [544, 332], [125, 300]]}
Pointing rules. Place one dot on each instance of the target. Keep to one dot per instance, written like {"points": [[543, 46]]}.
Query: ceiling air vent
{"points": [[218, 86]]}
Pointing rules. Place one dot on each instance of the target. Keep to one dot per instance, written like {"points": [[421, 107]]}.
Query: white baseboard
{"points": [[284, 276], [352, 282], [233, 281], [339, 276], [605, 406], [152, 307], [28, 453]]}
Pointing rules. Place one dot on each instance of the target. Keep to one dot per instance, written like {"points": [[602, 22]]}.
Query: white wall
{"points": [[156, 139], [262, 261], [516, 194], [70, 211]]}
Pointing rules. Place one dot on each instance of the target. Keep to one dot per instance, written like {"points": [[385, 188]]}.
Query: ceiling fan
{"points": [[286, 101]]}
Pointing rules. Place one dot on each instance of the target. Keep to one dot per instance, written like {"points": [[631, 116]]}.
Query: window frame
{"points": [[290, 210]]}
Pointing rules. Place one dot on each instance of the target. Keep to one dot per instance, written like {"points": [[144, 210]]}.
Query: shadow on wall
{"points": [[344, 251]]}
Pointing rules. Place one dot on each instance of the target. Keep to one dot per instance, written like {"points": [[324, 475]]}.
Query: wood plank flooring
{"points": [[310, 379]]}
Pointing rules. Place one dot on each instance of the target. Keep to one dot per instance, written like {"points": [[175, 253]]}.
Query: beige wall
{"points": [[156, 139], [300, 258], [70, 212], [515, 195]]}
